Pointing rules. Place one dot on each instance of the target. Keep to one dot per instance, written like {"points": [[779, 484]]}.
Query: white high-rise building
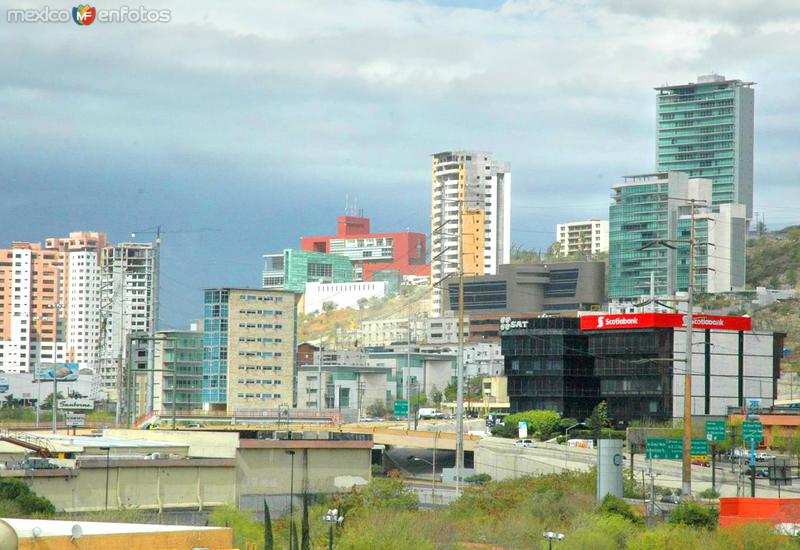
{"points": [[481, 186], [127, 274], [47, 292], [588, 237]]}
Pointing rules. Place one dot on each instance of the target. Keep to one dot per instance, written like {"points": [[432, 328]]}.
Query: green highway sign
{"points": [[663, 448], [752, 430], [401, 407], [672, 448], [699, 447], [715, 430]]}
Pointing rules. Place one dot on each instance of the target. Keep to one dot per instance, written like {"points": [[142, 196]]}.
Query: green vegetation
{"points": [[508, 515], [773, 259], [17, 500]]}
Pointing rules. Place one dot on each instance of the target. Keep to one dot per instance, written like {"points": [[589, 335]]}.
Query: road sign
{"points": [[672, 448], [715, 430], [401, 407], [752, 430], [699, 448], [663, 448], [75, 420], [76, 404]]}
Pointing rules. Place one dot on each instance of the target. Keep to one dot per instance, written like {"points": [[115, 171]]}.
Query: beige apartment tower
{"points": [[250, 343]]}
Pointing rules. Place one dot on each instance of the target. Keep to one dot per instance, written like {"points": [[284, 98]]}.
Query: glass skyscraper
{"points": [[706, 130]]}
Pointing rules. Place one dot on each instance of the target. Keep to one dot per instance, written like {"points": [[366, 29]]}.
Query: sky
{"points": [[241, 126]]}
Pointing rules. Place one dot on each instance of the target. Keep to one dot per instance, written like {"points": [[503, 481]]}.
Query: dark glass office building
{"points": [[549, 366]]}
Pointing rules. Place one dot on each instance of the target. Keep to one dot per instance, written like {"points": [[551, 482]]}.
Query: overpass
{"points": [[415, 438]]}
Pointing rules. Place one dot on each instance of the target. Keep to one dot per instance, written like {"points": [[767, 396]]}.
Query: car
{"points": [[526, 443], [194, 425], [761, 472], [671, 499], [763, 455], [704, 463]]}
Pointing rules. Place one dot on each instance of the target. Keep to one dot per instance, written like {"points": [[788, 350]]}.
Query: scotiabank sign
{"points": [[664, 320]]}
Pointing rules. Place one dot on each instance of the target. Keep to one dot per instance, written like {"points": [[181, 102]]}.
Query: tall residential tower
{"points": [[705, 129], [481, 187]]}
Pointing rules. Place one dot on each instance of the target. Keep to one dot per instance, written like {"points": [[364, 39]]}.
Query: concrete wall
{"points": [[146, 484], [266, 473], [201, 444]]}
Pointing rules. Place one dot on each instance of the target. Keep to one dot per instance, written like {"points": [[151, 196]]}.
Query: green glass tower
{"points": [[706, 130], [292, 269]]}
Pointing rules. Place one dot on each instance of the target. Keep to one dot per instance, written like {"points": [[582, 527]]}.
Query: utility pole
{"points": [[686, 485], [460, 357], [56, 309], [408, 369], [151, 348]]}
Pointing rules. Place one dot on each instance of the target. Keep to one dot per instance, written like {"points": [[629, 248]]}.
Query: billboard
{"points": [[65, 372], [76, 404], [664, 320]]}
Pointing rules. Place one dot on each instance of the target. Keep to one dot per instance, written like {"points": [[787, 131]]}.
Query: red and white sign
{"points": [[664, 320]]}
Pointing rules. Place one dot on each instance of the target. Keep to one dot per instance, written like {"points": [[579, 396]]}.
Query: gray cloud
{"points": [[259, 117]]}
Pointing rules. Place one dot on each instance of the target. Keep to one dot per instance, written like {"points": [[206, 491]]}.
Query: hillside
{"points": [[323, 326], [773, 259]]}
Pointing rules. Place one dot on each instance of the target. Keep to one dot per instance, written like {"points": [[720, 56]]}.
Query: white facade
{"points": [[343, 295], [727, 234], [757, 365], [126, 276], [436, 330], [483, 359], [484, 184], [83, 296], [588, 237]]}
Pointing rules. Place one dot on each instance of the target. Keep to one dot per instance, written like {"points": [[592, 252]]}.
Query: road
{"points": [[501, 459]]}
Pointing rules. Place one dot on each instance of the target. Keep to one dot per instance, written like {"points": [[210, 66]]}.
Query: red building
{"points": [[370, 252]]}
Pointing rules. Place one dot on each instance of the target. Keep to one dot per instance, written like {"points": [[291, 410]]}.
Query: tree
{"points": [[269, 541], [377, 409], [328, 306], [694, 515], [436, 396], [522, 255], [599, 419], [305, 533], [787, 441], [362, 303], [48, 403]]}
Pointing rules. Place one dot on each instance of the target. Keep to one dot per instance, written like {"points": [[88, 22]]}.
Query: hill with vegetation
{"points": [[338, 327], [773, 259]]}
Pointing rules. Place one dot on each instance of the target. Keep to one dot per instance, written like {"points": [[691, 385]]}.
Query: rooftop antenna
{"points": [[346, 204]]}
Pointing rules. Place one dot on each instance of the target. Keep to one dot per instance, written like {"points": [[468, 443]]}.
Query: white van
{"points": [[424, 413]]}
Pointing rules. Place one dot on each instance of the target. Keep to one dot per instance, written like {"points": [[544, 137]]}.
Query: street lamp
{"points": [[433, 473], [291, 496], [566, 439], [108, 457], [332, 518], [551, 536]]}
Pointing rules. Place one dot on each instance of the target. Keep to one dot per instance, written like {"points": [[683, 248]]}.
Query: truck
{"points": [[427, 413]]}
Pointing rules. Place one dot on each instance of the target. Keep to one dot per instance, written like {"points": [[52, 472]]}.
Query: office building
{"points": [[355, 380], [293, 268], [37, 282], [584, 239], [340, 295], [404, 251], [432, 331], [178, 377], [705, 129], [634, 363], [250, 340], [528, 288], [127, 272], [649, 213], [480, 186]]}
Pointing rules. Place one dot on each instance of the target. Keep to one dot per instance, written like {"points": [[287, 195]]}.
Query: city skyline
{"points": [[115, 155]]}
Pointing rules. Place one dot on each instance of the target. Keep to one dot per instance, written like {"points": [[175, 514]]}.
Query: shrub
{"points": [[612, 505], [694, 515], [478, 479], [28, 502], [709, 493], [542, 422]]}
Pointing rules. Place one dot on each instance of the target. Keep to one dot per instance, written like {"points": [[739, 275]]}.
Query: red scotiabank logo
{"points": [[664, 320]]}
